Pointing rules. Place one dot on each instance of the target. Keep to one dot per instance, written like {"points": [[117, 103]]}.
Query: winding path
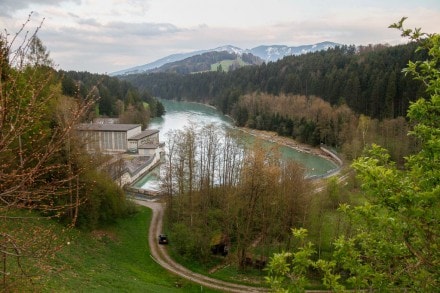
{"points": [[160, 255]]}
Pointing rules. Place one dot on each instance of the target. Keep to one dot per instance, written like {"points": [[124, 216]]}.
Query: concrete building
{"points": [[143, 149], [117, 138], [108, 138]]}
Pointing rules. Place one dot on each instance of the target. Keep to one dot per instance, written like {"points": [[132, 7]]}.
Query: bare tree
{"points": [[35, 172]]}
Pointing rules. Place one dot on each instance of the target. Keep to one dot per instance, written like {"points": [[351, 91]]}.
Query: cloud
{"points": [[97, 47], [108, 35], [141, 29], [8, 7]]}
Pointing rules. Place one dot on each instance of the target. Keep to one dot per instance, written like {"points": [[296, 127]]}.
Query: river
{"points": [[181, 114]]}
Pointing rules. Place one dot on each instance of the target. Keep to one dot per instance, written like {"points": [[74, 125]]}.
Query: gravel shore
{"points": [[288, 142]]}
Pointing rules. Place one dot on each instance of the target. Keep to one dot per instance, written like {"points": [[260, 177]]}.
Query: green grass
{"points": [[226, 63], [116, 259]]}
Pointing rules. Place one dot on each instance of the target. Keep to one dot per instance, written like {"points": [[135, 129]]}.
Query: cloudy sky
{"points": [[109, 35]]}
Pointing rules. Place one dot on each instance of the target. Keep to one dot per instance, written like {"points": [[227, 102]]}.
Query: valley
{"points": [[283, 168]]}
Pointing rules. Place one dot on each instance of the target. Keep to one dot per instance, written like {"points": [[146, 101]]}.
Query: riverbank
{"points": [[291, 143]]}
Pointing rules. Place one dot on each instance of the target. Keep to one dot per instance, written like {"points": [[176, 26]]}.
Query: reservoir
{"points": [[181, 114]]}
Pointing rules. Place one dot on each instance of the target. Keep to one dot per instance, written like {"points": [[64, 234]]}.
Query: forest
{"points": [[116, 98], [368, 79]]}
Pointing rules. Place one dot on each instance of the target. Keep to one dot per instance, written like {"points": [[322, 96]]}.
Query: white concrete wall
{"points": [[128, 178], [134, 131], [147, 152]]}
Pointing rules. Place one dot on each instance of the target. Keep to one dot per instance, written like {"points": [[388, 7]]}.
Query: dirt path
{"points": [[160, 255]]}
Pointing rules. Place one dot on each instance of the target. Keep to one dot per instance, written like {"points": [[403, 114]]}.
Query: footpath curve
{"points": [[160, 255]]}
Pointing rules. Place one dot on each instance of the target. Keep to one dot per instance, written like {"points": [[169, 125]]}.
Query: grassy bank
{"points": [[116, 259]]}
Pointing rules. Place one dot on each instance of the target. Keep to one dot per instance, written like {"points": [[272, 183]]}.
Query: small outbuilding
{"points": [[146, 139]]}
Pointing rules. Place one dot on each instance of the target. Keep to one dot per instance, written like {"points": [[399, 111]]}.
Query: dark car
{"points": [[163, 239]]}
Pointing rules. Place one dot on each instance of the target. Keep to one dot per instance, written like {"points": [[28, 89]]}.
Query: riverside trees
{"points": [[221, 187]]}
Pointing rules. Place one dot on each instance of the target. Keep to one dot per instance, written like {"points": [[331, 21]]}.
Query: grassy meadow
{"points": [[114, 259]]}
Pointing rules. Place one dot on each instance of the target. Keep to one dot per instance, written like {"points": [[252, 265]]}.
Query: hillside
{"points": [[115, 258], [209, 61]]}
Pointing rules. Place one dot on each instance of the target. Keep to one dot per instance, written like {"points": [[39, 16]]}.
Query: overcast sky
{"points": [[109, 35]]}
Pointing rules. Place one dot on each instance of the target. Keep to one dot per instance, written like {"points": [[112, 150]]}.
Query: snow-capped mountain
{"points": [[266, 53], [276, 52]]}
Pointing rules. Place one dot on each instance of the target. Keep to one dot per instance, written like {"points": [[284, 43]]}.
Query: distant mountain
{"points": [[210, 61], [174, 58], [266, 53]]}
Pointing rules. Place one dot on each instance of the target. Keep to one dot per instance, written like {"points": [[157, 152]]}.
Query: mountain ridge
{"points": [[268, 53], [209, 61]]}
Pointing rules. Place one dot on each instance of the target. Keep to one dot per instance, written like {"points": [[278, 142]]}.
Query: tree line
{"points": [[313, 121], [117, 98]]}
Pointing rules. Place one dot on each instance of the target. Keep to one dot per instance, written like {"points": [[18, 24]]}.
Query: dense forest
{"points": [[368, 79], [116, 98]]}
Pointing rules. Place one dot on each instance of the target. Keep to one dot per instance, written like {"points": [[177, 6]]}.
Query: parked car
{"points": [[163, 239]]}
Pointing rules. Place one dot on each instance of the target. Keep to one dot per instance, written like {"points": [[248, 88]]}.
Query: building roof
{"points": [[106, 127], [143, 134]]}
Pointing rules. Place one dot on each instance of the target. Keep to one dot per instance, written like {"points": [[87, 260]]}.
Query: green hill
{"points": [[114, 259], [209, 61]]}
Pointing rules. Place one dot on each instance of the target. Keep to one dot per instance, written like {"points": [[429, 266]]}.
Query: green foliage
{"points": [[111, 91], [104, 201], [287, 271], [394, 242], [408, 200]]}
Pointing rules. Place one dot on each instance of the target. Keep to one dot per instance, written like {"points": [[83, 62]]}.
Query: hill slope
{"points": [[209, 61]]}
